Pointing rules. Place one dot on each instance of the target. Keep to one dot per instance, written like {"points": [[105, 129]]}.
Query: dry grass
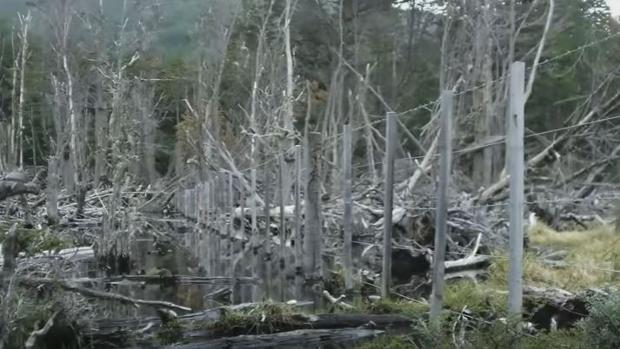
{"points": [[592, 258]]}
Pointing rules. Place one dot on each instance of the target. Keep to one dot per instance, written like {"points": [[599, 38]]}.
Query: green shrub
{"points": [[388, 342], [170, 332], [264, 319], [33, 241], [602, 327], [562, 339]]}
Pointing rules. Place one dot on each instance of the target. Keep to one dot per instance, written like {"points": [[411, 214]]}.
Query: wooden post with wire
{"points": [[441, 216], [347, 218], [256, 262], [266, 236], [282, 229], [239, 292], [514, 149], [299, 252], [388, 204], [231, 236]]}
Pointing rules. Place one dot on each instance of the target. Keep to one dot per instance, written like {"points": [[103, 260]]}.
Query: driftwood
{"points": [[292, 339], [67, 286], [337, 301], [469, 262]]}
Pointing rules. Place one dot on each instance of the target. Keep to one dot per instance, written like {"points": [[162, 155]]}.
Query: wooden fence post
{"points": [[516, 169], [256, 263], [299, 272], [441, 217], [231, 237], [390, 140], [238, 291], [267, 260], [282, 231], [348, 209]]}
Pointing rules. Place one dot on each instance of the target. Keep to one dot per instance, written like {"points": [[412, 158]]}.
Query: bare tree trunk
{"points": [[288, 115], [369, 137], [313, 236], [541, 46], [24, 23], [73, 143], [101, 115], [12, 155], [101, 136]]}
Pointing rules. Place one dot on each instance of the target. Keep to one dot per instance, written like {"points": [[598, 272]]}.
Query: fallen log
{"points": [[380, 321], [465, 263], [554, 308], [106, 330], [9, 188], [74, 254], [292, 339], [170, 280], [67, 286], [104, 327]]}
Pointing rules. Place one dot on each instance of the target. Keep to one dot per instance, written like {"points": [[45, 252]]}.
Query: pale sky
{"points": [[615, 7]]}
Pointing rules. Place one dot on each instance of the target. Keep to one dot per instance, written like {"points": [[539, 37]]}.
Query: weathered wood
{"points": [[554, 308], [169, 280], [313, 238], [237, 256], [441, 222], [9, 188], [388, 202], [68, 286], [298, 230], [52, 190], [74, 254], [104, 327], [34, 335], [254, 238], [465, 263], [282, 230], [266, 236], [231, 231], [292, 339], [516, 168], [337, 301], [347, 217]]}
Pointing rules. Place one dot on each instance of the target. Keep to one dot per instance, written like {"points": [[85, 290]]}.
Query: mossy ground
{"points": [[264, 319], [170, 332], [591, 259]]}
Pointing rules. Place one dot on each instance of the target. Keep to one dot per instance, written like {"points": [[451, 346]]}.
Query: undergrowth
{"points": [[264, 319], [590, 257], [31, 241], [170, 332]]}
